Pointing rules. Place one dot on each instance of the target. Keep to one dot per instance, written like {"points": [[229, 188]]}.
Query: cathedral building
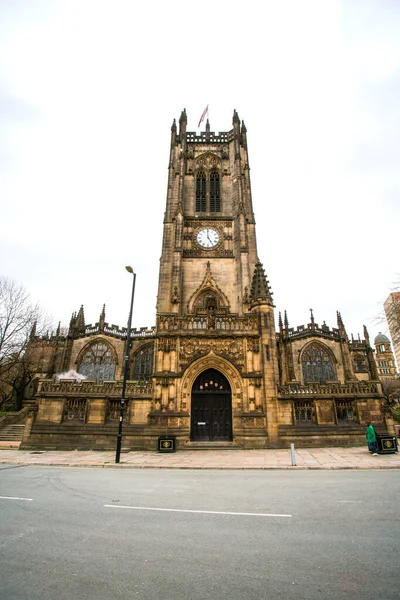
{"points": [[220, 368]]}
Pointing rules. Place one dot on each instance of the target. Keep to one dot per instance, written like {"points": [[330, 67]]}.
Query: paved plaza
{"points": [[306, 458]]}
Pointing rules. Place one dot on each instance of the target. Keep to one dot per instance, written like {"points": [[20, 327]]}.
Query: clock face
{"points": [[208, 238]]}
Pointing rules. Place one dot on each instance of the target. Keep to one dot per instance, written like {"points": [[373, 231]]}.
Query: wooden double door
{"points": [[211, 412]]}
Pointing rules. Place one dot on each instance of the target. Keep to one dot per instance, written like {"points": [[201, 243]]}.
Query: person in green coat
{"points": [[371, 439]]}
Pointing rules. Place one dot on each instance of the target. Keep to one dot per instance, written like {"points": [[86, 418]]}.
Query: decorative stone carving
{"points": [[194, 348], [158, 421], [253, 422], [255, 382], [165, 381], [208, 285], [208, 161], [167, 421], [166, 344], [253, 345]]}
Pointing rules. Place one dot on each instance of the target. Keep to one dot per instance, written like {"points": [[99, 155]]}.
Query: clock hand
{"points": [[208, 236]]}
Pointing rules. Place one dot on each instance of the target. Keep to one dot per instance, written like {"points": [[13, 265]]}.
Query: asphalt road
{"points": [[95, 534]]}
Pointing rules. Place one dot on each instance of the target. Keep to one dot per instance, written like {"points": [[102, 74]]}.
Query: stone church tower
{"points": [[215, 355]]}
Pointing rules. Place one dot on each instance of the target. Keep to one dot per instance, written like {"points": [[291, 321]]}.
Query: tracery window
{"points": [[303, 411], [215, 202], [200, 191], [75, 408], [317, 364], [143, 361], [98, 362], [360, 364], [114, 408], [344, 410], [208, 186]]}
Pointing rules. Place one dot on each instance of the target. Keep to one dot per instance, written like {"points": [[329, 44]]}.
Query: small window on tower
{"points": [[208, 187], [201, 192], [215, 202]]}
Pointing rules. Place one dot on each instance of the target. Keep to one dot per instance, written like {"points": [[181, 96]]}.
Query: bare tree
{"points": [[391, 389], [18, 319]]}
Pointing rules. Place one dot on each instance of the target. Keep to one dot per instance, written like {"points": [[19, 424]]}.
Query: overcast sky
{"points": [[88, 93]]}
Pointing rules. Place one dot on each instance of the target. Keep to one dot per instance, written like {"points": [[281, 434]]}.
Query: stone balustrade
{"points": [[92, 388], [363, 388], [198, 323]]}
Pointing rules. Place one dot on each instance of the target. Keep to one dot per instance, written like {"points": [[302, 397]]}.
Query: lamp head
{"points": [[129, 269]]}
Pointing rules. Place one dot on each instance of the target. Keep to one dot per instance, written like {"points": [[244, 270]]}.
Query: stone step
{"points": [[4, 445], [12, 433], [30, 402], [210, 446]]}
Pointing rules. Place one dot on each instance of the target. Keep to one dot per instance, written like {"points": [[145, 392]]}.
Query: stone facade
{"points": [[392, 312], [215, 369], [384, 358]]}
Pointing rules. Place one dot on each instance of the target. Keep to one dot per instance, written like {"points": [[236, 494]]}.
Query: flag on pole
{"points": [[205, 111]]}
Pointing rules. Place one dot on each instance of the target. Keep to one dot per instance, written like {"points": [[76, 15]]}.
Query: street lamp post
{"points": [[126, 365]]}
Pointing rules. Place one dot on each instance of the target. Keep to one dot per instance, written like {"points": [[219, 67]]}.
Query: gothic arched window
{"points": [[200, 191], [98, 362], [143, 361], [215, 200], [304, 411], [208, 184], [360, 364], [317, 364]]}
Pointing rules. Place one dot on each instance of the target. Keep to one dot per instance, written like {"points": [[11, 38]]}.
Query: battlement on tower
{"points": [[207, 137], [118, 332]]}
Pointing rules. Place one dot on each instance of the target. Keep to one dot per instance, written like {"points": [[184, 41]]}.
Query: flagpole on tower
{"points": [[205, 111]]}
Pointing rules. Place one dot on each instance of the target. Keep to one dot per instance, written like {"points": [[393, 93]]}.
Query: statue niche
{"points": [[209, 306]]}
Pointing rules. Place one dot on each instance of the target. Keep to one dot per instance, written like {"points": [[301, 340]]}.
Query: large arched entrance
{"points": [[211, 413]]}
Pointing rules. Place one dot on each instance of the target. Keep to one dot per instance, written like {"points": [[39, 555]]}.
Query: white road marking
{"points": [[15, 498], [349, 501], [199, 512]]}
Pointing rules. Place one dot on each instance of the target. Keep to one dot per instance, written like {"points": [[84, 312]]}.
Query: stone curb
{"points": [[206, 467]]}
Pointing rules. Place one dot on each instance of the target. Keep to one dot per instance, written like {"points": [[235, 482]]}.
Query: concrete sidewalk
{"points": [[306, 458]]}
